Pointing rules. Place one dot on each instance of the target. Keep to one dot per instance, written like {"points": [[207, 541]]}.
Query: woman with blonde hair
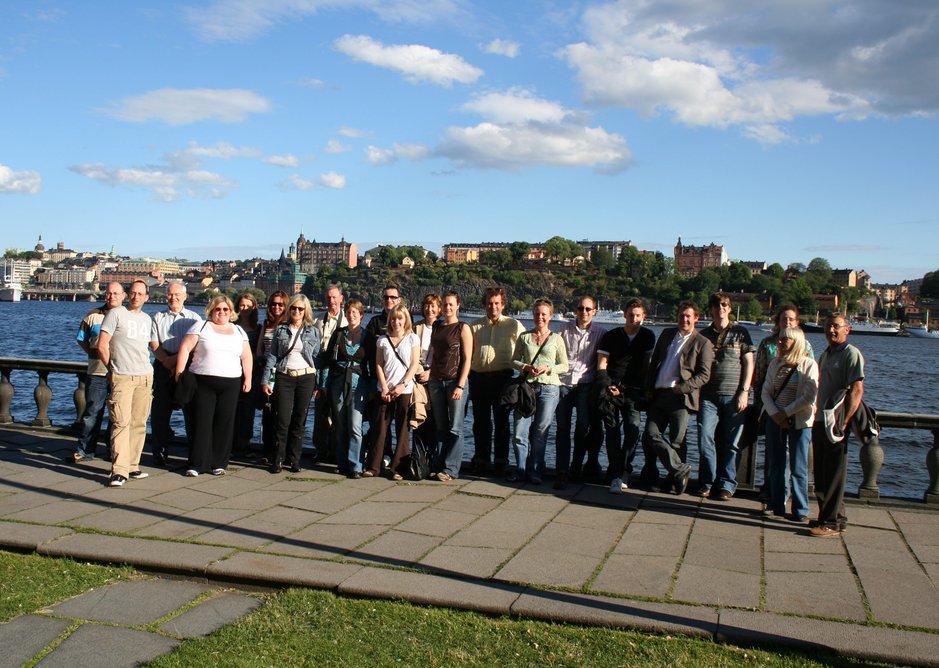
{"points": [[789, 394], [397, 363], [291, 362], [221, 364]]}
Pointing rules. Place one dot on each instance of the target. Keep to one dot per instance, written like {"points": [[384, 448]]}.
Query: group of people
{"points": [[414, 380]]}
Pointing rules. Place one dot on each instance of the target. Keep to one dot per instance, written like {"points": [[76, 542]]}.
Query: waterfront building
{"points": [[18, 271], [311, 255], [130, 269], [71, 278], [692, 260]]}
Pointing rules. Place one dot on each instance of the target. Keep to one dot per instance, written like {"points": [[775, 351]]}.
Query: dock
{"points": [[641, 560]]}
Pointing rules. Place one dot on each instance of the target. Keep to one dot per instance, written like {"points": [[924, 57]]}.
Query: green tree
{"points": [[519, 250], [501, 257], [930, 286], [739, 277], [601, 258]]}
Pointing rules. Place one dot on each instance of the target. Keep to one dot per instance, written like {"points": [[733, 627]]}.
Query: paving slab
{"points": [[508, 529], [211, 615], [375, 512], [423, 589], [667, 540], [22, 638], [325, 541], [488, 488], [784, 538], [605, 519], [436, 522], [131, 602], [716, 586], [414, 492], [126, 519], [260, 499], [186, 499], [534, 502], [809, 563], [466, 561], [190, 524], [636, 575], [870, 643], [159, 555], [330, 498], [395, 548], [832, 595], [28, 536], [468, 503], [94, 645], [268, 570], [592, 610], [736, 552]]}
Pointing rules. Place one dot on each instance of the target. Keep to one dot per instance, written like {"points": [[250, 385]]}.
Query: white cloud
{"points": [[522, 130], [282, 160], [386, 156], [333, 180], [416, 62], [176, 106], [334, 147], [758, 65], [20, 183], [296, 182], [221, 151], [351, 133], [166, 183], [237, 20], [502, 47]]}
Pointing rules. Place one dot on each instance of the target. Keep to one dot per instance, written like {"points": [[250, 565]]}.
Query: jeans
{"points": [[667, 410], [448, 415], [96, 400], [571, 398], [719, 469], [292, 394], [533, 431], [348, 414], [618, 450], [797, 450], [490, 418]]}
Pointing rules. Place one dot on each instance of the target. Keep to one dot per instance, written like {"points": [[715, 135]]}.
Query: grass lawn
{"points": [[302, 627]]}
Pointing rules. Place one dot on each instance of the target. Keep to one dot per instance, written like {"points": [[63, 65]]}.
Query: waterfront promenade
{"points": [[641, 560]]}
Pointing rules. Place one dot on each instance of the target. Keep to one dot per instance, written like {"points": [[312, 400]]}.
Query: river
{"points": [[900, 372]]}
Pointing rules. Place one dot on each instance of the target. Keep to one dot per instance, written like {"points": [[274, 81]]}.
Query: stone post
{"points": [[6, 396], [872, 458], [932, 465], [43, 396]]}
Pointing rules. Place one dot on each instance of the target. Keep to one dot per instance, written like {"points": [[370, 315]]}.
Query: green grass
{"points": [[313, 628], [29, 582]]}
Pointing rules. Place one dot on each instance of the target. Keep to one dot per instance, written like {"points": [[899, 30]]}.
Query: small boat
{"points": [[868, 328], [11, 290], [609, 318], [923, 331]]}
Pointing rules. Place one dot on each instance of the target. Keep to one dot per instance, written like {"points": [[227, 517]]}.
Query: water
{"points": [[900, 377]]}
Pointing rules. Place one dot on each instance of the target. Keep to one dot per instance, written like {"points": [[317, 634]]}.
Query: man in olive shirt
{"points": [[494, 337]]}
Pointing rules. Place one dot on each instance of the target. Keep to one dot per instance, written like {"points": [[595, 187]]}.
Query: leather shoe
{"points": [[681, 478], [722, 495], [277, 467]]}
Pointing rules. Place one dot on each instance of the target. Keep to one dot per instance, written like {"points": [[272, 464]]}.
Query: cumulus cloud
{"points": [[19, 183], [522, 130], [166, 183], [176, 106], [351, 133], [282, 160], [333, 180], [418, 63], [386, 156], [759, 65], [238, 20], [334, 147], [297, 182], [502, 47]]}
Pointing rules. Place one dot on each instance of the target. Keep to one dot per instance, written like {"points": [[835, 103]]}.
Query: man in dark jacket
{"points": [[681, 365]]}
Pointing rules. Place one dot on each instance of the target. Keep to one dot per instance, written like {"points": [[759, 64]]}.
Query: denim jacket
{"points": [[309, 344]]}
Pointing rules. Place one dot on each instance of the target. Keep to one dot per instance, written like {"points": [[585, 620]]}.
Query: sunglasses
{"points": [[222, 309], [297, 308], [390, 297], [585, 309], [277, 305]]}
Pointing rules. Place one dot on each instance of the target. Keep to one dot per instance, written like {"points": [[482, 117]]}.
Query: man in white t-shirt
{"points": [[124, 348]]}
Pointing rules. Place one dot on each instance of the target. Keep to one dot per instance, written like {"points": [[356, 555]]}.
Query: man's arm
{"points": [[104, 348], [853, 399], [746, 378]]}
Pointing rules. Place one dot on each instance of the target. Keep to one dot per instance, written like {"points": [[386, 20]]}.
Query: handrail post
{"points": [[43, 396], [872, 458], [932, 465], [6, 395]]}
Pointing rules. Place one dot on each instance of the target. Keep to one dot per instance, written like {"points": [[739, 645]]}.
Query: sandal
{"points": [[396, 476], [444, 477], [368, 474]]}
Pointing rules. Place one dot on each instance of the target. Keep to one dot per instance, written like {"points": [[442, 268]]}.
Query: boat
{"points": [[609, 318], [923, 331], [11, 290], [859, 327]]}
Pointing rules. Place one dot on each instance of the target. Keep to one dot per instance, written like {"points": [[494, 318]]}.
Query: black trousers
{"points": [[161, 410], [215, 401], [831, 471], [292, 396], [489, 418]]}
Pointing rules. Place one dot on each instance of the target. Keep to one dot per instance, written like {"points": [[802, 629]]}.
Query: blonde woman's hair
{"points": [[215, 301], [797, 353], [398, 310], [307, 309]]}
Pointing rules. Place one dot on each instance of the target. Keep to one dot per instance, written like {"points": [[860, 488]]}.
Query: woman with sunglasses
{"points": [[292, 363], [276, 315], [221, 364]]}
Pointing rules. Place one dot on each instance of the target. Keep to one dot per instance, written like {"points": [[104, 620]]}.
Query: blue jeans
{"points": [[96, 399], [794, 443], [533, 431], [714, 471], [348, 412], [448, 415]]}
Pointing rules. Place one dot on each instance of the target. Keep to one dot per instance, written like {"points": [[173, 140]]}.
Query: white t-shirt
{"points": [[394, 369], [217, 354]]}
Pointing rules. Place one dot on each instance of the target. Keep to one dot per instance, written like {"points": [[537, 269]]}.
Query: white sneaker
{"points": [[138, 475], [218, 471], [617, 486], [192, 473]]}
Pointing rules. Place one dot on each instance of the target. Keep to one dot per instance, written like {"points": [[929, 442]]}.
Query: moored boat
{"points": [[10, 290]]}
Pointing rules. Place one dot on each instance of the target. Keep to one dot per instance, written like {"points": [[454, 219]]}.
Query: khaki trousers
{"points": [[129, 408]]}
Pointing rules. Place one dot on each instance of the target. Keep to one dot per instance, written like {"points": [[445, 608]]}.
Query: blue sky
{"points": [[782, 130]]}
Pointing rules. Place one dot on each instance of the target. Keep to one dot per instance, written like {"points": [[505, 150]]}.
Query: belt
{"points": [[300, 372]]}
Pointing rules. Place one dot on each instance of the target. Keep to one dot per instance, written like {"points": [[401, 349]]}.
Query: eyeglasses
{"points": [[277, 304], [297, 308], [585, 309], [390, 297], [222, 309]]}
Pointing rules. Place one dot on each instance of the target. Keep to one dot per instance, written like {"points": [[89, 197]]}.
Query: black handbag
{"points": [[185, 388], [417, 466]]}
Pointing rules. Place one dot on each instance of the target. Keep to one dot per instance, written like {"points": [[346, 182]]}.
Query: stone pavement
{"points": [[642, 560]]}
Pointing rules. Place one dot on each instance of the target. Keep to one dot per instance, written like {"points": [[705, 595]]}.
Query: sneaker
{"points": [[138, 475], [117, 480], [617, 486], [192, 473], [218, 471], [824, 531]]}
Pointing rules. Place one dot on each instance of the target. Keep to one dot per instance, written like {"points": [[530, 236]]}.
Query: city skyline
{"points": [[224, 129]]}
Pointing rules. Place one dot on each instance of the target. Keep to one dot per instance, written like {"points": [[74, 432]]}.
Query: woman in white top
{"points": [[221, 364], [397, 363], [789, 393]]}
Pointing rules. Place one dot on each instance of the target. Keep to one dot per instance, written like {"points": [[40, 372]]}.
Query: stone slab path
{"points": [[640, 560]]}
